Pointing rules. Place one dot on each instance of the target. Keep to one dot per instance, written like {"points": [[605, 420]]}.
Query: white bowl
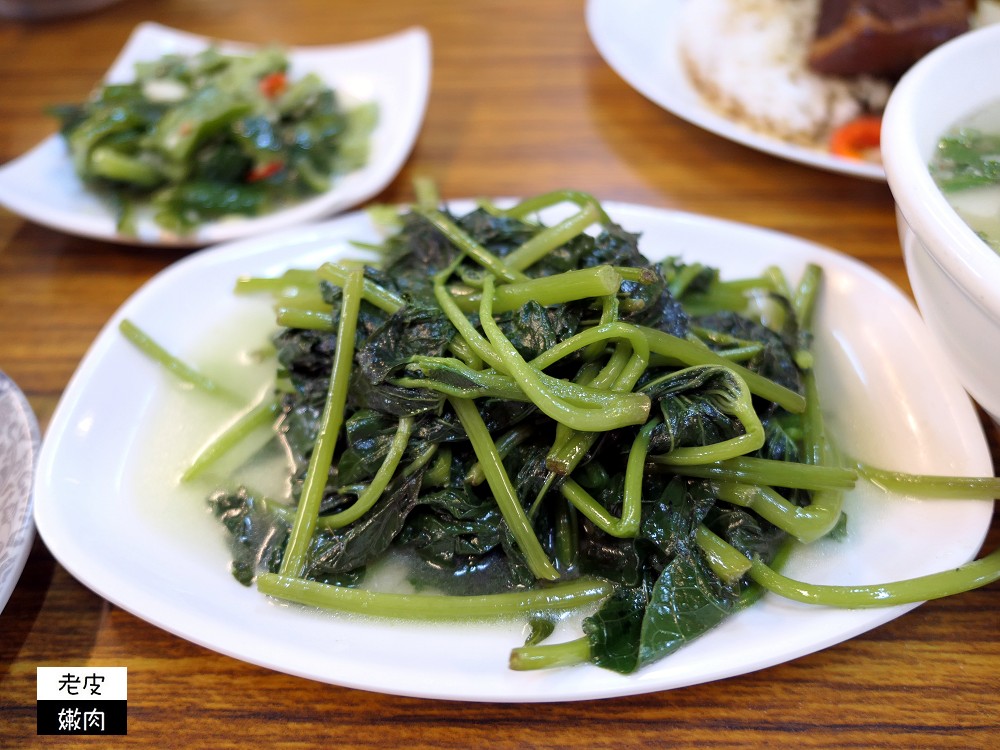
{"points": [[955, 276]]}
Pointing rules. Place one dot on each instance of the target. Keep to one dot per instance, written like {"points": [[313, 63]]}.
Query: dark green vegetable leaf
{"points": [[257, 535], [687, 601]]}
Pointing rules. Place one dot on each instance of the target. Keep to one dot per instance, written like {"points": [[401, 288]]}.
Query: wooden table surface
{"points": [[521, 103]]}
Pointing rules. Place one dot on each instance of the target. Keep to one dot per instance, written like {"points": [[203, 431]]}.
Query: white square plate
{"points": [[110, 508], [393, 72]]}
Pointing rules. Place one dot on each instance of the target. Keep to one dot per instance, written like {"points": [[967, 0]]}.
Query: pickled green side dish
{"points": [[197, 138]]}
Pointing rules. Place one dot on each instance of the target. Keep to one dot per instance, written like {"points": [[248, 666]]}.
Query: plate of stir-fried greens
{"points": [[533, 450], [190, 141]]}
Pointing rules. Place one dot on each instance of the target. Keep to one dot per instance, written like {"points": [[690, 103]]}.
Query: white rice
{"points": [[748, 59]]}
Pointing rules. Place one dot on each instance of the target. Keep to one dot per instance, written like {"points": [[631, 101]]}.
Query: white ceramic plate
{"points": [[19, 441], [116, 519], [392, 71], [639, 40]]}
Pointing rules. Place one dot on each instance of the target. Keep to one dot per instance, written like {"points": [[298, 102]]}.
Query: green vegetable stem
{"points": [[329, 429]]}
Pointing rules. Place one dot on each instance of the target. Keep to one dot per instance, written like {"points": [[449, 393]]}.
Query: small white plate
{"points": [[392, 71], [19, 441], [639, 40], [108, 505]]}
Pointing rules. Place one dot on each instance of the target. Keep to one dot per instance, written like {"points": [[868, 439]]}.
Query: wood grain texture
{"points": [[521, 103]]}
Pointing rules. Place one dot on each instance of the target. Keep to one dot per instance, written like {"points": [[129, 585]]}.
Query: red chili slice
{"points": [[273, 84], [854, 139], [263, 171]]}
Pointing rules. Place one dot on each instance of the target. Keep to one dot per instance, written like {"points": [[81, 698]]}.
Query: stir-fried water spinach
{"points": [[534, 417], [211, 135]]}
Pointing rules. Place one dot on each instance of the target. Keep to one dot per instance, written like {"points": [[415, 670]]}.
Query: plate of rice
{"points": [[737, 68]]}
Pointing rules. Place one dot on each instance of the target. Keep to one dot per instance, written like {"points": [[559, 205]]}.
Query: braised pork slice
{"points": [[882, 37]]}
